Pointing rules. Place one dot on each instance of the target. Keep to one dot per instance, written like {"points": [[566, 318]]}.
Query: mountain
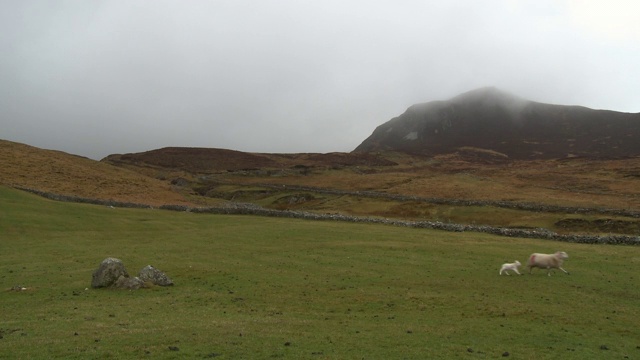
{"points": [[489, 119]]}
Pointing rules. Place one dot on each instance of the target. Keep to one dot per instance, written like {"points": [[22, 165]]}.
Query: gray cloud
{"points": [[101, 77]]}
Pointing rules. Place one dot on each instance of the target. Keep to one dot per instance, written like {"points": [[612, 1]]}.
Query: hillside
{"points": [[470, 186], [516, 128], [61, 173], [211, 160]]}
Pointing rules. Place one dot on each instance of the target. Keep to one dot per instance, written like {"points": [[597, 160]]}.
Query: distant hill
{"points": [[488, 119], [205, 160]]}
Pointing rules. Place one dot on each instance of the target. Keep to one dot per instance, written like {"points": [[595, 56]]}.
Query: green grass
{"points": [[263, 288]]}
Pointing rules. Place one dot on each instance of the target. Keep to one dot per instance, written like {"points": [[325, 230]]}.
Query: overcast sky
{"points": [[94, 78]]}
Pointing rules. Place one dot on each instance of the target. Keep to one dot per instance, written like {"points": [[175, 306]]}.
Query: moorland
{"points": [[596, 196]]}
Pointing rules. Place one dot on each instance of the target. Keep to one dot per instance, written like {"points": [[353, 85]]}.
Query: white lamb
{"points": [[548, 261], [510, 266]]}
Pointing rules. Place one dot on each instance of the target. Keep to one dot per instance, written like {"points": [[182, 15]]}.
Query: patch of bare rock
{"points": [[111, 273]]}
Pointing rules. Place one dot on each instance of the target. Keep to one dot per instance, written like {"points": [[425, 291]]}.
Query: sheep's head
{"points": [[517, 263], [562, 255]]}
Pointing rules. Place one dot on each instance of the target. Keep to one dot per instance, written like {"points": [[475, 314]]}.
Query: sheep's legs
{"points": [[506, 271], [549, 271]]}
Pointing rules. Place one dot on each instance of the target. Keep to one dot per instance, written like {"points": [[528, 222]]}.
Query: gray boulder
{"points": [[129, 283], [108, 273], [154, 276]]}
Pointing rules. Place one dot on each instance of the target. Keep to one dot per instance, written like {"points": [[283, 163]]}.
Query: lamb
{"points": [[548, 261], [510, 266]]}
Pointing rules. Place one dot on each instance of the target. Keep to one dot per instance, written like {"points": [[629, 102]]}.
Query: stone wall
{"points": [[252, 209]]}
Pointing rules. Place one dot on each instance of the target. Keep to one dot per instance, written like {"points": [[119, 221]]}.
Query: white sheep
{"points": [[510, 266], [548, 261]]}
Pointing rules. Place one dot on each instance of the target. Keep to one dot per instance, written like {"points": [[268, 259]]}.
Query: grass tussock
{"points": [[257, 288]]}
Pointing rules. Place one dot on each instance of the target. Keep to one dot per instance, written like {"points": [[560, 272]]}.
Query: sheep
{"points": [[510, 266], [548, 261]]}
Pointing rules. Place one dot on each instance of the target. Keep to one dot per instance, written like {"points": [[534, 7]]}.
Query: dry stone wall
{"points": [[252, 209]]}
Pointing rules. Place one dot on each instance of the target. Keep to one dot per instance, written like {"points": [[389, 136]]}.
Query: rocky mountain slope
{"points": [[492, 120]]}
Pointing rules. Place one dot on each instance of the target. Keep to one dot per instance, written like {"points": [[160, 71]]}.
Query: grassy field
{"points": [[263, 288]]}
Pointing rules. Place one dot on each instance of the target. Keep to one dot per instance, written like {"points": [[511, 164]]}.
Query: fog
{"points": [[94, 78]]}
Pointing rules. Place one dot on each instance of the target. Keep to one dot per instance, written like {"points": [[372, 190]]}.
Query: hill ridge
{"points": [[66, 174]]}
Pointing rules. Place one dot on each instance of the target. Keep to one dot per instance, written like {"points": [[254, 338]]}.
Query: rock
{"points": [[129, 283], [155, 276], [112, 274], [109, 271]]}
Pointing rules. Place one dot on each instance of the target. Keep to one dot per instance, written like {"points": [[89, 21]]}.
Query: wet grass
{"points": [[262, 288]]}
